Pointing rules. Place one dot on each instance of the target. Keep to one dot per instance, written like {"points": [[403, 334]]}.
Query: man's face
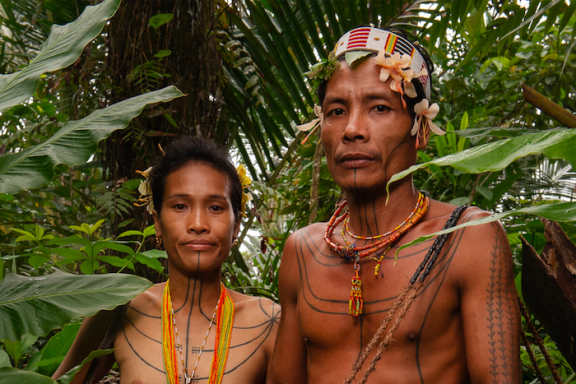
{"points": [[196, 223], [366, 130]]}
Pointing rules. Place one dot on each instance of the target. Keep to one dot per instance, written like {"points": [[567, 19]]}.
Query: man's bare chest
{"points": [[326, 287]]}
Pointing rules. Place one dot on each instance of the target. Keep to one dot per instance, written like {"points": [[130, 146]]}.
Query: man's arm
{"points": [[489, 305], [289, 359], [89, 338]]}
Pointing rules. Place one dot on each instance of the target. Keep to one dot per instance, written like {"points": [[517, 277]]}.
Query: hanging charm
{"points": [[356, 302]]}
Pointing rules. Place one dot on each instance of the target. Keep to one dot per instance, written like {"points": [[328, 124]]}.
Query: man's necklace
{"points": [[353, 253], [224, 315]]}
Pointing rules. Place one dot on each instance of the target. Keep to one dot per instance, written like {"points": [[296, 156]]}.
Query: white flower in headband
{"points": [[313, 124], [423, 121], [145, 190], [391, 64], [398, 67]]}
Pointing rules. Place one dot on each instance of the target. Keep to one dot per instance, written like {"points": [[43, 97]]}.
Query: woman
{"points": [[191, 328]]}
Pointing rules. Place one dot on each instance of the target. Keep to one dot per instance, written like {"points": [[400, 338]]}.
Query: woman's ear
{"points": [[157, 223]]}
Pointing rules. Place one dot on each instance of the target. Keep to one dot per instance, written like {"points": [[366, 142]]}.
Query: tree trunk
{"points": [[193, 65]]}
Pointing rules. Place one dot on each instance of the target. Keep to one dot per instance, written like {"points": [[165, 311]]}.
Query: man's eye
{"points": [[380, 108], [336, 111]]}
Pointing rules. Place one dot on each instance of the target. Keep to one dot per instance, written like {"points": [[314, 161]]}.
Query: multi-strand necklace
{"points": [[384, 242], [224, 318]]}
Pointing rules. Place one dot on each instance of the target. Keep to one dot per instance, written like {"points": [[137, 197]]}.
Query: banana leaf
{"points": [[554, 211], [74, 143], [36, 305], [63, 47], [495, 156]]}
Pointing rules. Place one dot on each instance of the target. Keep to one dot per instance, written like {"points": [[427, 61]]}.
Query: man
{"points": [[190, 329], [446, 309]]}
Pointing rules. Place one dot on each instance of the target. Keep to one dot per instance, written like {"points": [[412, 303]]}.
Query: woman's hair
{"points": [[186, 149], [420, 93]]}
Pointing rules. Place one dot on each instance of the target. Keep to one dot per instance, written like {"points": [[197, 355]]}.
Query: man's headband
{"points": [[375, 40], [398, 59]]}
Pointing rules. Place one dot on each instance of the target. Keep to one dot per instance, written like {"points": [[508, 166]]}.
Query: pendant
{"points": [[356, 302]]}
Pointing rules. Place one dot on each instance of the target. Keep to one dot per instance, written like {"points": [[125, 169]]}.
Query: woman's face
{"points": [[197, 222]]}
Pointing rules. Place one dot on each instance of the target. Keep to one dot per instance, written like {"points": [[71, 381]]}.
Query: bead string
{"points": [[353, 253], [187, 378], [347, 220]]}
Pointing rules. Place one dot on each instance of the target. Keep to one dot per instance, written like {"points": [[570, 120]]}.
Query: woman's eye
{"points": [[216, 208], [179, 207], [380, 108]]}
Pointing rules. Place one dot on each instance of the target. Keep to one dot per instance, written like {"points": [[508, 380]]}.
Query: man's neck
{"points": [[371, 216], [196, 290]]}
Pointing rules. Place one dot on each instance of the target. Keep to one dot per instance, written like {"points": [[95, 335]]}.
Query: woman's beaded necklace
{"points": [[187, 378], [224, 316], [353, 253]]}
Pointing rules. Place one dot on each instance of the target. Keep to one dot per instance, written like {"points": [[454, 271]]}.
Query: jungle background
{"points": [[85, 106]]}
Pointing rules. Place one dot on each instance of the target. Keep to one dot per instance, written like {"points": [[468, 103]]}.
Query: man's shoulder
{"points": [[313, 231], [471, 240]]}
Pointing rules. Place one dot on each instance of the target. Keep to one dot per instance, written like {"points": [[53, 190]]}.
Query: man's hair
{"points": [[195, 149], [421, 94]]}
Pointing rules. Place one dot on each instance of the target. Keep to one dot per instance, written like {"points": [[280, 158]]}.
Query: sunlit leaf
{"points": [[63, 47], [74, 143]]}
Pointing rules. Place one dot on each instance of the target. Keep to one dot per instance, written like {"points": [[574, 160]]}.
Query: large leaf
{"points": [[36, 305], [63, 47], [17, 376], [74, 143], [555, 212], [57, 347], [9, 375], [498, 155]]}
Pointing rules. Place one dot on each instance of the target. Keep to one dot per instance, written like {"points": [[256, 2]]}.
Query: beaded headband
{"points": [[375, 40]]}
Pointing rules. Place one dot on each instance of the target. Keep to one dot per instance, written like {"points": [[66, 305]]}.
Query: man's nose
{"points": [[198, 221], [356, 127]]}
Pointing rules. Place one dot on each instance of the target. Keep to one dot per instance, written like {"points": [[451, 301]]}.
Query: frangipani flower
{"points": [[423, 121], [391, 64], [313, 124]]}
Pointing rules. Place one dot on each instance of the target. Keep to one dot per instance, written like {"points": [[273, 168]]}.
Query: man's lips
{"points": [[199, 245], [355, 160]]}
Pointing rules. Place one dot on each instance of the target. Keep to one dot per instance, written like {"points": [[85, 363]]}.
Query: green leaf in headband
{"points": [[353, 56]]}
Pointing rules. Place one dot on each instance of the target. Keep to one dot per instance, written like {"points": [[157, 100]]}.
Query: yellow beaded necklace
{"points": [[224, 314]]}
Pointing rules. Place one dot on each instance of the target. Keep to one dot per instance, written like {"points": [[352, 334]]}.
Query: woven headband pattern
{"points": [[374, 40]]}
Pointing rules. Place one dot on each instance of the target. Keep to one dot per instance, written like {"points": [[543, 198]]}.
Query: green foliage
{"points": [[497, 155], [64, 45], [86, 252], [74, 143], [36, 305]]}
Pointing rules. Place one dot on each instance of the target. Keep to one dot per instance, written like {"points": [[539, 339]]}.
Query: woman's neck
{"points": [[199, 289]]}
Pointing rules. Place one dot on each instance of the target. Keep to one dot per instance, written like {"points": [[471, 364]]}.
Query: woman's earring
{"points": [[158, 242], [235, 241]]}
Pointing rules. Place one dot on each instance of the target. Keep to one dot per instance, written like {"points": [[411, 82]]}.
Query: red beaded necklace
{"points": [[353, 253]]}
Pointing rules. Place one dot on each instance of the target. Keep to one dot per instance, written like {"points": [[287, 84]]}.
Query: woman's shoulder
{"points": [[254, 309]]}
